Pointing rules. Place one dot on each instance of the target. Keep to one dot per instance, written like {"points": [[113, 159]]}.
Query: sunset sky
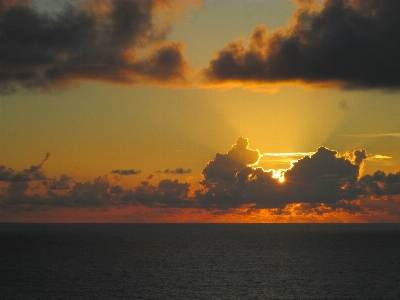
{"points": [[199, 111]]}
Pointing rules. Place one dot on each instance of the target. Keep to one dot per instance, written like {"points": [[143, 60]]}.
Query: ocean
{"points": [[200, 261]]}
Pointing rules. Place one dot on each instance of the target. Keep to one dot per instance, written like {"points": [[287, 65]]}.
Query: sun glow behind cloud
{"points": [[99, 145], [283, 158], [319, 186], [277, 122], [292, 157]]}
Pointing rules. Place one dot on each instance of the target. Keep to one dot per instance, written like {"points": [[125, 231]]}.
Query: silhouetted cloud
{"points": [[116, 189], [225, 166], [355, 44], [114, 41], [32, 173], [359, 156], [321, 183], [323, 177], [18, 187], [91, 194], [63, 183], [168, 193], [150, 177], [179, 170], [125, 172], [381, 184]]}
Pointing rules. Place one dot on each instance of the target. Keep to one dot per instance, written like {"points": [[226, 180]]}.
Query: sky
{"points": [[199, 111]]}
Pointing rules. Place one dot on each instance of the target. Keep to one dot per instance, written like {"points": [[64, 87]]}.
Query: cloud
{"points": [[359, 156], [321, 184], [284, 157], [378, 156], [374, 135], [116, 189], [288, 154], [18, 188], [63, 183], [355, 44], [323, 177], [179, 170], [114, 41], [125, 172], [168, 193], [150, 177], [381, 184], [91, 194], [32, 173], [225, 166]]}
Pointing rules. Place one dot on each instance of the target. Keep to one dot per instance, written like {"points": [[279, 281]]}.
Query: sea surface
{"points": [[200, 261]]}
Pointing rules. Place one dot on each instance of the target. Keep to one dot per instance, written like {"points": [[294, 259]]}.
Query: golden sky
{"points": [[171, 111]]}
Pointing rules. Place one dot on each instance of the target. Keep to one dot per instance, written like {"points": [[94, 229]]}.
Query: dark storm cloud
{"points": [[352, 43], [95, 40], [125, 172]]}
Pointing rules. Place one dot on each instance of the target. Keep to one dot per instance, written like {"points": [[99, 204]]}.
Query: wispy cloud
{"points": [[179, 170], [378, 156], [283, 157], [288, 154], [374, 135]]}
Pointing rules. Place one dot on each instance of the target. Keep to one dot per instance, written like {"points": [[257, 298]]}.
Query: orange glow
{"points": [[291, 213]]}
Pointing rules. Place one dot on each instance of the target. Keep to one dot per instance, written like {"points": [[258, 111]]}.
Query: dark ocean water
{"points": [[199, 261]]}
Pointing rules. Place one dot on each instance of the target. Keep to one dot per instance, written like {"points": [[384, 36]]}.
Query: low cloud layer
{"points": [[33, 173], [113, 41], [320, 184], [355, 44]]}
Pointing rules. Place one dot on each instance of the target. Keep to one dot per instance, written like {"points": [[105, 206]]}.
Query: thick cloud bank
{"points": [[324, 177], [321, 183], [114, 41], [355, 44]]}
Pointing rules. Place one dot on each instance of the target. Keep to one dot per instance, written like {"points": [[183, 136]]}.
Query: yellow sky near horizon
{"points": [[96, 124]]}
